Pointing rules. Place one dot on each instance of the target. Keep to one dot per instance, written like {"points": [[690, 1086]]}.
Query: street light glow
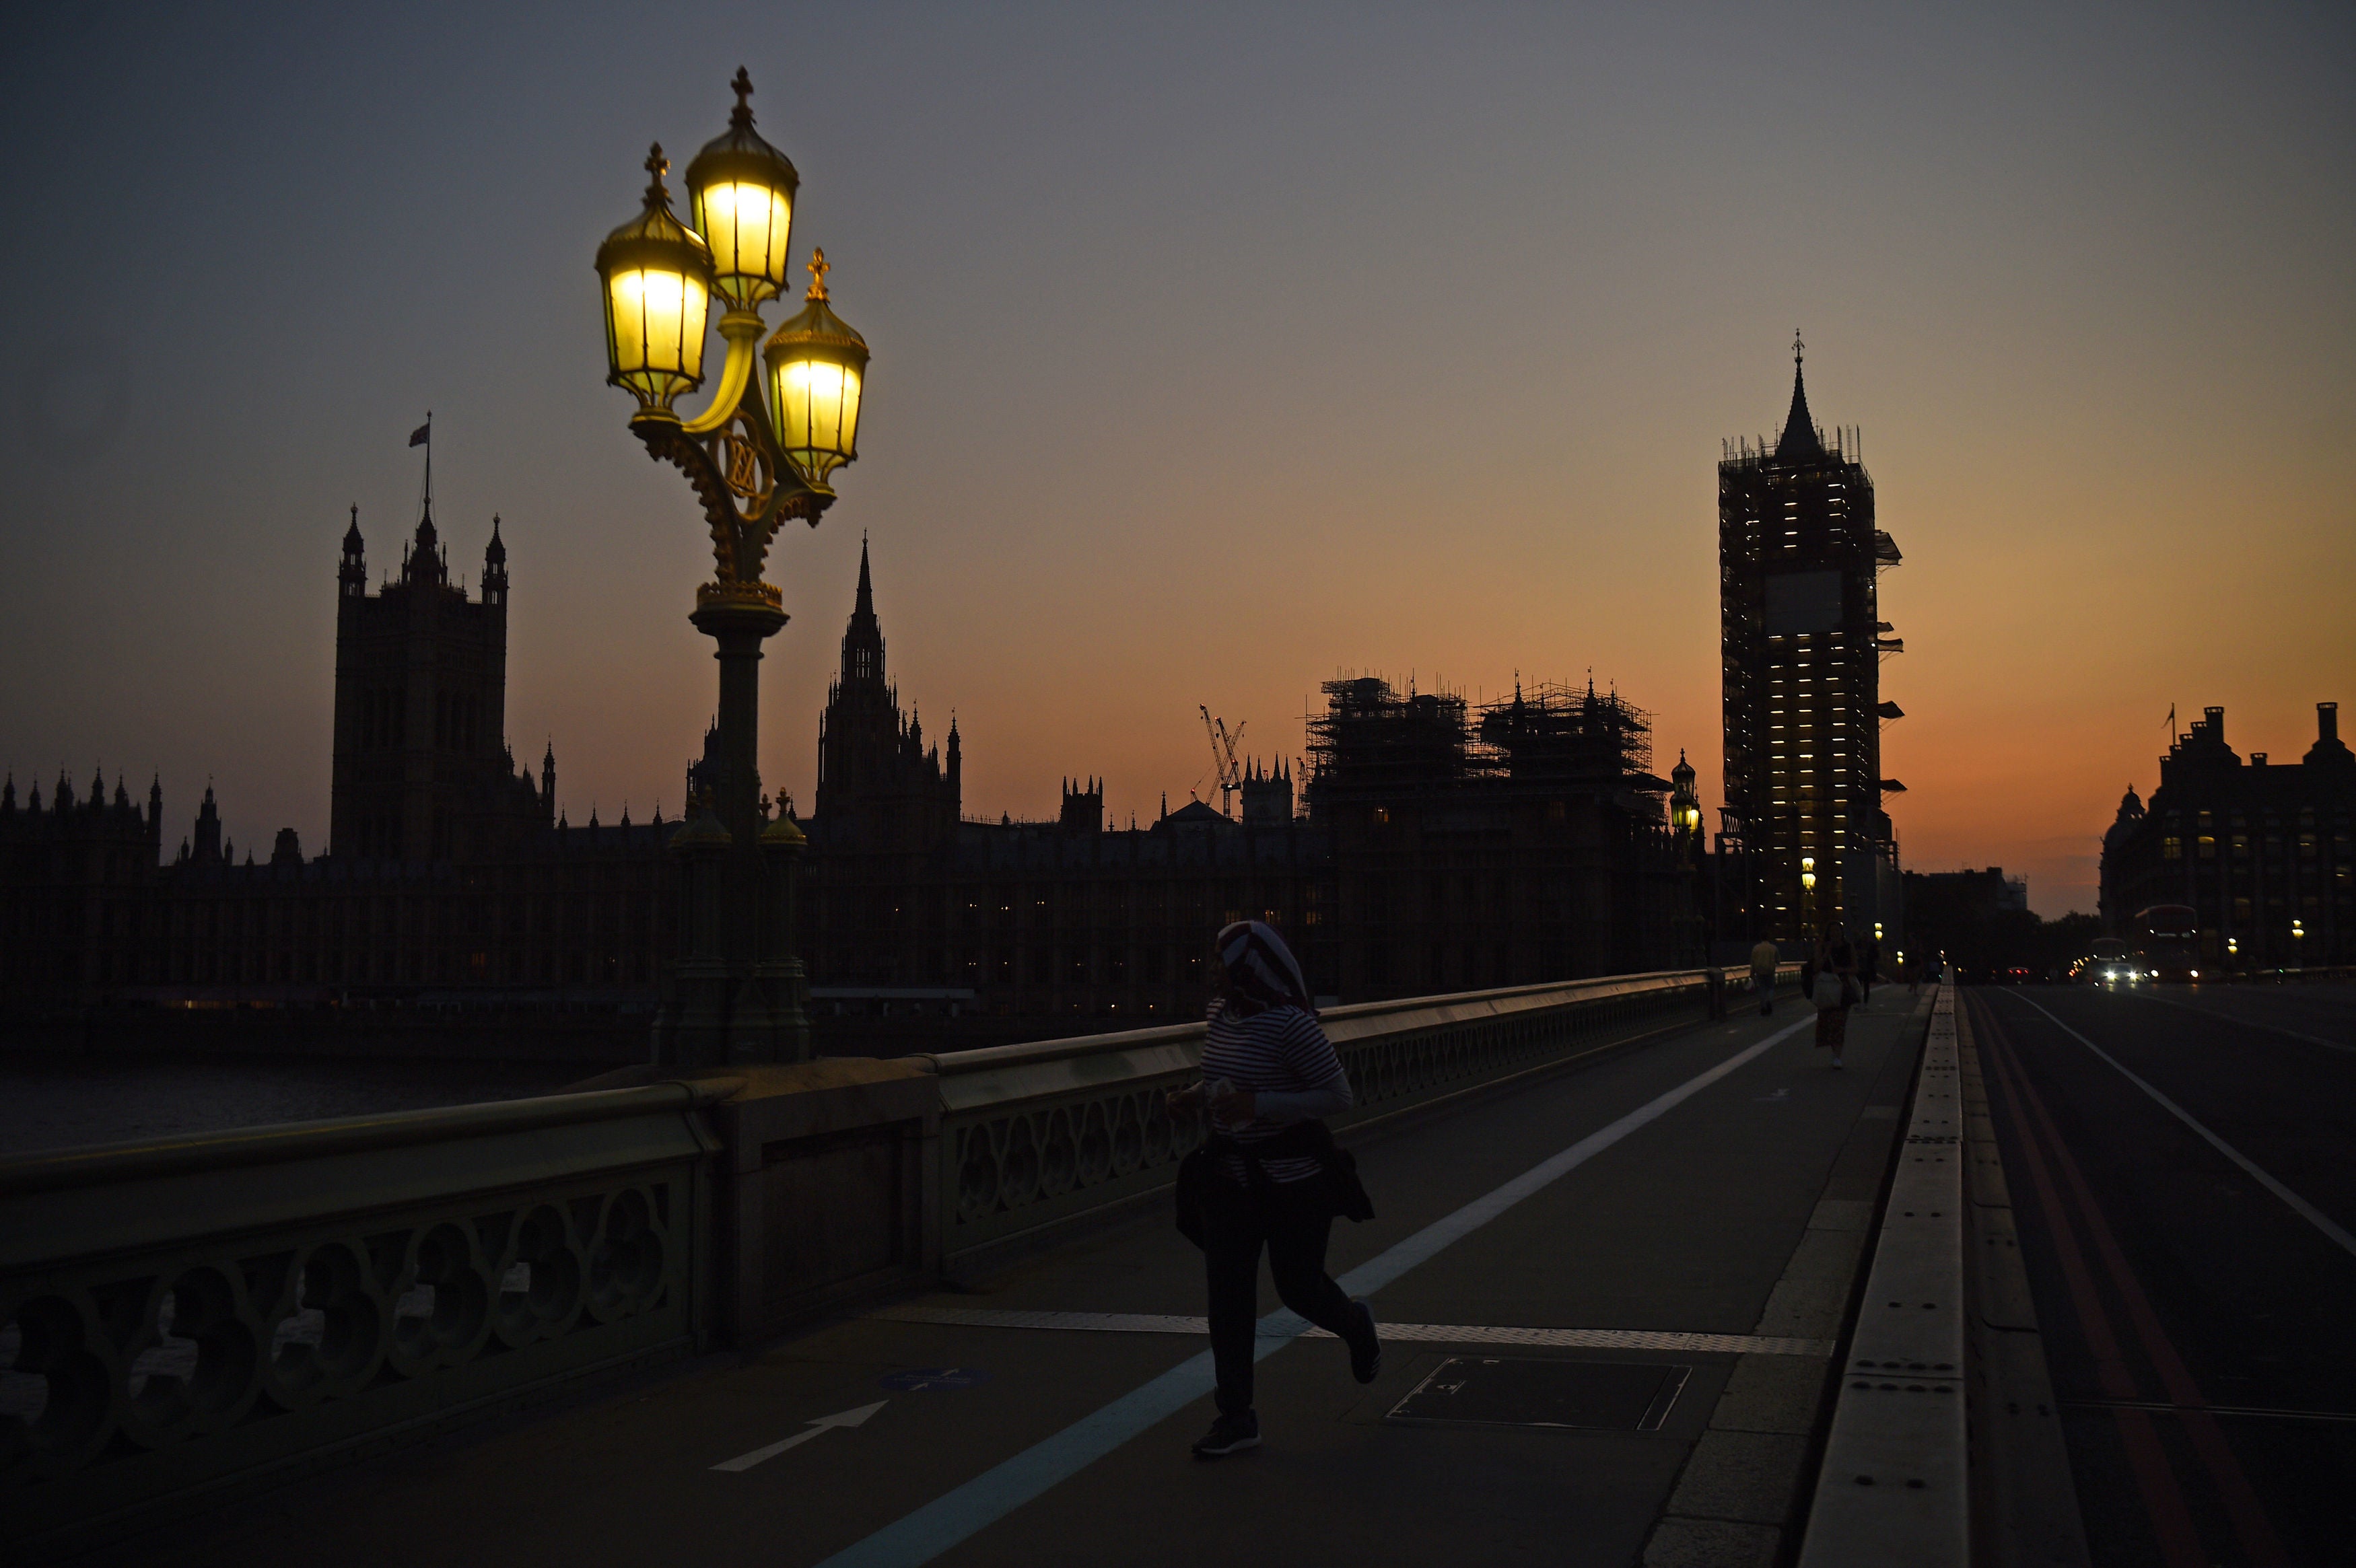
{"points": [[817, 366], [747, 228], [658, 285], [740, 193]]}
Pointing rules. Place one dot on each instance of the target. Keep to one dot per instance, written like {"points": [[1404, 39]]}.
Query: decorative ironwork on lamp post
{"points": [[761, 454]]}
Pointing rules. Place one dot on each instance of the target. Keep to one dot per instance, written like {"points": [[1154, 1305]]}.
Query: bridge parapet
{"points": [[1038, 1138], [178, 1315], [223, 1310]]}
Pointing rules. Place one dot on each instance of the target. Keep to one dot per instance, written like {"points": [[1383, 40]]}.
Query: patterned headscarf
{"points": [[1261, 969]]}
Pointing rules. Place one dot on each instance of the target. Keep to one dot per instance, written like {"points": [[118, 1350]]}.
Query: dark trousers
{"points": [[1290, 1218], [1766, 986]]}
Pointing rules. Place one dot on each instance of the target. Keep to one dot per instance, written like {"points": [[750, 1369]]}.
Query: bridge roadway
{"points": [[1714, 1185], [2195, 1301]]}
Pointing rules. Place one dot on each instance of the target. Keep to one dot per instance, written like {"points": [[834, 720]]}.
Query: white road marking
{"points": [[957, 1514], [2305, 1210], [1403, 1333], [823, 1424]]}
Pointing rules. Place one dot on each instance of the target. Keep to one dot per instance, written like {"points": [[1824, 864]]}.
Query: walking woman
{"points": [[1269, 1174], [1833, 987]]}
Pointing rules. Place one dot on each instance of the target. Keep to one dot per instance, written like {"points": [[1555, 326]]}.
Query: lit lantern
{"points": [[1685, 804], [657, 274], [817, 369], [740, 195]]}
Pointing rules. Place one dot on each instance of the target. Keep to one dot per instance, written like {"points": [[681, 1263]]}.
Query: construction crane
{"points": [[1222, 758]]}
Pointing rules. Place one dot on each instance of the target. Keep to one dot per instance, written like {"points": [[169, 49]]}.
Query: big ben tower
{"points": [[1802, 641]]}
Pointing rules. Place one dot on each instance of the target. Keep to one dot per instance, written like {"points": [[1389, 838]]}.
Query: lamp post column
{"points": [[754, 1030], [739, 629]]}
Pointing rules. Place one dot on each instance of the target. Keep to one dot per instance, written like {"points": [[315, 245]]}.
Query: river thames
{"points": [[52, 1101]]}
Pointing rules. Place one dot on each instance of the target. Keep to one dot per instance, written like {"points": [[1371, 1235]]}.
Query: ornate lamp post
{"points": [[761, 454]]}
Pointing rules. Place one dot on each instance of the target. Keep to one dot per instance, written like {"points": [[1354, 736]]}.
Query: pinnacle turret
{"points": [[863, 639], [1799, 443]]}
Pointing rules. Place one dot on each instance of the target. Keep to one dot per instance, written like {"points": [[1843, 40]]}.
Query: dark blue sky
{"points": [[1215, 349]]}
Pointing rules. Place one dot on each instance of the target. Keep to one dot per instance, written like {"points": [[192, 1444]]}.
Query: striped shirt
{"points": [[1284, 1060]]}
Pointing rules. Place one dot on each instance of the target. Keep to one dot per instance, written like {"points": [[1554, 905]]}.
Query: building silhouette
{"points": [[451, 878], [910, 911], [1509, 844], [880, 789], [1432, 846], [421, 769], [2258, 850], [1802, 638]]}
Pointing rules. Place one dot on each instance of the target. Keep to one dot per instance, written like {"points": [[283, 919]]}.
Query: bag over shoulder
{"points": [[1345, 1195]]}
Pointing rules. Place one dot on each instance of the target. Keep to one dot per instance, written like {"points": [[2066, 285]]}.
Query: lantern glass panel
{"points": [[748, 227], [817, 405], [656, 320]]}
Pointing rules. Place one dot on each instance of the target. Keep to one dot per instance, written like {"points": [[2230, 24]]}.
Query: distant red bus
{"points": [[2167, 939]]}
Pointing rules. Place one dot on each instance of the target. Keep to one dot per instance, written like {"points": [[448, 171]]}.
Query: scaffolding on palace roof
{"points": [[1373, 738], [1553, 733]]}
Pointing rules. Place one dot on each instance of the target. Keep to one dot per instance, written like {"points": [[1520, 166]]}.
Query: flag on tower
{"points": [[422, 434]]}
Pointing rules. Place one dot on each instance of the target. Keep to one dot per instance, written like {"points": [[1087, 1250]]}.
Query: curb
{"points": [[1895, 1482]]}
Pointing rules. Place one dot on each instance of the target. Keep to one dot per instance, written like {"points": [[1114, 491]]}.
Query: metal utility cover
{"points": [[1500, 1391]]}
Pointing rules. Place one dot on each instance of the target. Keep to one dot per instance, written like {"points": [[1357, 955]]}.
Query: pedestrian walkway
{"points": [[1612, 1295]]}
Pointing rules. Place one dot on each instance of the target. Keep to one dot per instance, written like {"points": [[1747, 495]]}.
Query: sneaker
{"points": [[1836, 1061], [1228, 1435], [1366, 1355]]}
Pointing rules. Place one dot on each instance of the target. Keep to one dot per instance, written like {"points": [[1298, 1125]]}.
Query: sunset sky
{"points": [[1216, 350]]}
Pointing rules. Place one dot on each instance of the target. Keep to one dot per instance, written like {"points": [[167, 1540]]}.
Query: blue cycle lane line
{"points": [[920, 1536]]}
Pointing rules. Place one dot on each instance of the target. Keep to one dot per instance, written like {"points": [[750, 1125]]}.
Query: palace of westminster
{"points": [[1436, 847], [1433, 845]]}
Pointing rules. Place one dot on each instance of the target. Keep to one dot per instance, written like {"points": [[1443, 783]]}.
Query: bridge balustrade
{"points": [[1039, 1137], [219, 1310], [183, 1314]]}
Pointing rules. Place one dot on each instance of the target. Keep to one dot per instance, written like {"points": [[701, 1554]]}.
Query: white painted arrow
{"points": [[845, 1418]]}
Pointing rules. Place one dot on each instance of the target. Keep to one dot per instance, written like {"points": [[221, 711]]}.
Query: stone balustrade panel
{"points": [[1066, 1130], [139, 1374]]}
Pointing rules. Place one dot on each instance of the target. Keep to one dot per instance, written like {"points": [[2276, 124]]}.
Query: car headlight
{"points": [[2195, 974]]}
